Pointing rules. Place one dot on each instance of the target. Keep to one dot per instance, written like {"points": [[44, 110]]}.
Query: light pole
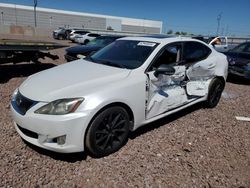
{"points": [[35, 4], [50, 21], [218, 20], [15, 14], [2, 21]]}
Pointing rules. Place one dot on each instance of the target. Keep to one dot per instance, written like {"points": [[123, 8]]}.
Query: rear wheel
{"points": [[60, 37], [108, 132], [215, 91]]}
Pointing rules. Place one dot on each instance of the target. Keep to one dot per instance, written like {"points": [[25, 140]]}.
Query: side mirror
{"points": [[164, 69]]}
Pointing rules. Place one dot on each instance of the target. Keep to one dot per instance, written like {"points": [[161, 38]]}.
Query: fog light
{"points": [[61, 140]]}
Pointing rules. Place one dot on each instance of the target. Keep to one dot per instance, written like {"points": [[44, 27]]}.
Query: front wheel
{"points": [[215, 91], [108, 132]]}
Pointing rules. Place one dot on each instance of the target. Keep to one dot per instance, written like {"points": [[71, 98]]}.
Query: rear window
{"points": [[195, 51]]}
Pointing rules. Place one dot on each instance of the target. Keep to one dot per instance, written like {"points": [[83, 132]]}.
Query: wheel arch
{"points": [[120, 104]]}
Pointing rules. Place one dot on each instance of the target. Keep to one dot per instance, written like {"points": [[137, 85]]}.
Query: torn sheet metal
{"points": [[164, 100], [168, 92], [202, 70], [165, 92], [197, 88]]}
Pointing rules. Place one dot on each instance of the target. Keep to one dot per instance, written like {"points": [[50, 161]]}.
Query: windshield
{"points": [[245, 47], [100, 42], [124, 53]]}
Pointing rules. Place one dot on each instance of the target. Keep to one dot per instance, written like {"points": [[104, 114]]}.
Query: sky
{"points": [[192, 16]]}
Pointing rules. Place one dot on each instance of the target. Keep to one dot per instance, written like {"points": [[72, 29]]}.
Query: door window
{"points": [[195, 51], [169, 55]]}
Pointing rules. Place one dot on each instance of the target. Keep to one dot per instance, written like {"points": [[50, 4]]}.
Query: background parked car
{"points": [[75, 52], [239, 60], [84, 39], [61, 33], [76, 33], [221, 44]]}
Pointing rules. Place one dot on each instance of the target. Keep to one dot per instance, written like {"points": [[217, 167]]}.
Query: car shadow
{"points": [[68, 157], [165, 120], [238, 80], [21, 70]]}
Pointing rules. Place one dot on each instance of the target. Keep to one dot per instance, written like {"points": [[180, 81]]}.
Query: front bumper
{"points": [[44, 130]]}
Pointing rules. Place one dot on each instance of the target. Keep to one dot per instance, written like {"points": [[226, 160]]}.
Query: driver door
{"points": [[165, 92], [194, 70]]}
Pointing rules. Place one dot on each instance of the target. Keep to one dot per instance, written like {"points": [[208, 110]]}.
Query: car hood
{"points": [[75, 79], [82, 49]]}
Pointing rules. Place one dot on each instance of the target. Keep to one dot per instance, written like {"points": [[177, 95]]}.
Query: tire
{"points": [[108, 132], [60, 37], [215, 91], [86, 41]]}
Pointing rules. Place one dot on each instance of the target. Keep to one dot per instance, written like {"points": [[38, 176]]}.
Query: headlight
{"points": [[60, 107], [14, 94], [80, 56]]}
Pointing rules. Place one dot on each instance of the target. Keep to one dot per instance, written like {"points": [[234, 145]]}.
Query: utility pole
{"points": [[2, 21], [218, 21], [35, 4], [15, 14], [50, 21]]}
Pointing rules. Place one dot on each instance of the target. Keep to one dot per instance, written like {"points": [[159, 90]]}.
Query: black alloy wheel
{"points": [[215, 91], [108, 132]]}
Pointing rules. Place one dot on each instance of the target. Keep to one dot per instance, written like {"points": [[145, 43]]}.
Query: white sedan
{"points": [[84, 39], [92, 104]]}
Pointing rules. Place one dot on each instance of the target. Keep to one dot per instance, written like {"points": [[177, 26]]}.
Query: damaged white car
{"points": [[92, 104]]}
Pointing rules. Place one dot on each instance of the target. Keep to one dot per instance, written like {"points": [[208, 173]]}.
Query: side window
{"points": [[169, 55], [195, 51], [93, 35], [247, 49]]}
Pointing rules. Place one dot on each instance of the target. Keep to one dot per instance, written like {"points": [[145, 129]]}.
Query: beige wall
{"points": [[25, 30]]}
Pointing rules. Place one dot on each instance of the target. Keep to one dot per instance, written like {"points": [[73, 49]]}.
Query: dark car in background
{"points": [[81, 51], [239, 60], [61, 33]]}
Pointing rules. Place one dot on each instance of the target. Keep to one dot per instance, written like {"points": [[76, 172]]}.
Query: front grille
{"points": [[22, 104], [28, 132]]}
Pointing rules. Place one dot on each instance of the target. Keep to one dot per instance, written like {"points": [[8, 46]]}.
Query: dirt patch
{"points": [[196, 147]]}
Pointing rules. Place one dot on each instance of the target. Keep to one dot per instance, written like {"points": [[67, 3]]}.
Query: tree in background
{"points": [[170, 31]]}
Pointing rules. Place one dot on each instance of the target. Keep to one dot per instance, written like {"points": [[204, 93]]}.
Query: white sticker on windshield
{"points": [[150, 44]]}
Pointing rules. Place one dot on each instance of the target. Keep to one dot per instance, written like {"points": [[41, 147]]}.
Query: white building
{"points": [[20, 15]]}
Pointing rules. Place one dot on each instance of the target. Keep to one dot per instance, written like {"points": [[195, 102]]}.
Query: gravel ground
{"points": [[194, 148]]}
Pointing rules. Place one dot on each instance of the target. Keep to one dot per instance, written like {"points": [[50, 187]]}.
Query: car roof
{"points": [[111, 36], [158, 36], [158, 39], [248, 43]]}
